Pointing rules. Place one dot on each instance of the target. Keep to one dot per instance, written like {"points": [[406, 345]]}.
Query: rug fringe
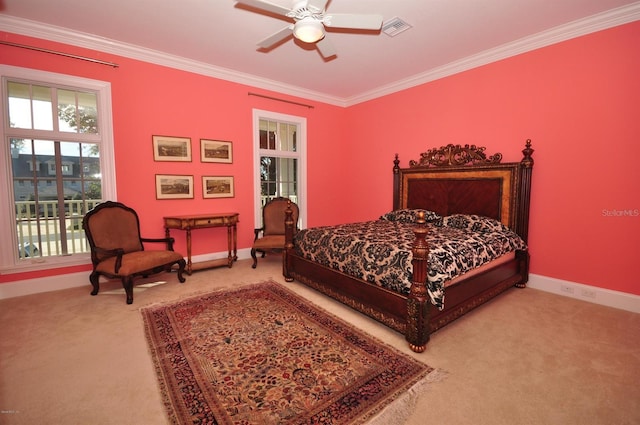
{"points": [[398, 411]]}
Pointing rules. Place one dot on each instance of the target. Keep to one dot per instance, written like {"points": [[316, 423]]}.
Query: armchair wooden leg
{"points": [[255, 259], [94, 278], [181, 265], [127, 283]]}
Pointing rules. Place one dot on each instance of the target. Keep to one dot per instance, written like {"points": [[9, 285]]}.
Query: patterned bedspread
{"points": [[379, 251]]}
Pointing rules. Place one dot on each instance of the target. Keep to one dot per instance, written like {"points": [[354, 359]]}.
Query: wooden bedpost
{"points": [[524, 200], [418, 303], [396, 183], [523, 264], [524, 197], [288, 241]]}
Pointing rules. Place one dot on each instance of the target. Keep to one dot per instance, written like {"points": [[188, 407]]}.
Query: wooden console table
{"points": [[202, 221]]}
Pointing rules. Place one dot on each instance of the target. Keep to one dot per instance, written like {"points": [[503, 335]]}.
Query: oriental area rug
{"points": [[261, 354]]}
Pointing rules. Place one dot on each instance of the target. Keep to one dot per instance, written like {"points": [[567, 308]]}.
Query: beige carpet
{"points": [[528, 357]]}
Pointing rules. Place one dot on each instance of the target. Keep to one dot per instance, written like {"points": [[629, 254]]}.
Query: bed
{"points": [[445, 185]]}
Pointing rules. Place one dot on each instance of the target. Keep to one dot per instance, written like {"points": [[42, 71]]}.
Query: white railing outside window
{"points": [[40, 226]]}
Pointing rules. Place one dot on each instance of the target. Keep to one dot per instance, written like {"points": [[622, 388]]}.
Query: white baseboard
{"points": [[44, 284], [607, 297], [593, 294], [75, 280]]}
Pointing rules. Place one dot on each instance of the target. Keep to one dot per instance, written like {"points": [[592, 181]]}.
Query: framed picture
{"points": [[174, 187], [167, 148], [217, 187], [216, 151]]}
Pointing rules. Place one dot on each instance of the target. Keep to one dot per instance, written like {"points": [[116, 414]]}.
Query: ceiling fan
{"points": [[309, 21]]}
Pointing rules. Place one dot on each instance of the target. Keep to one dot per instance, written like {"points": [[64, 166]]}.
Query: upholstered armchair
{"points": [[117, 250], [271, 235]]}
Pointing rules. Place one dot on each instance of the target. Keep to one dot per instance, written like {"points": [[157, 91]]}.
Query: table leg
{"points": [[235, 242], [189, 264], [229, 247]]}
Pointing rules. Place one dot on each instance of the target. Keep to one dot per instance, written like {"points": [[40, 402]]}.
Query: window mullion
{"points": [[54, 110], [278, 153], [35, 177], [60, 191]]}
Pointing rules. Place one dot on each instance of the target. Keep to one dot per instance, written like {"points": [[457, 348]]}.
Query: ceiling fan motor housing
{"points": [[300, 11]]}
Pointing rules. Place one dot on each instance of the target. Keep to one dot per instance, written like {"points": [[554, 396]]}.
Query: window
{"points": [[280, 161], [58, 153]]}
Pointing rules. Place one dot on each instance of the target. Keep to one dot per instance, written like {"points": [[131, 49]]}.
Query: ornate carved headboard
{"points": [[456, 179]]}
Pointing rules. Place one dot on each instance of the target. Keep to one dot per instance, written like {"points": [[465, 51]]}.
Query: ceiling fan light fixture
{"points": [[308, 30]]}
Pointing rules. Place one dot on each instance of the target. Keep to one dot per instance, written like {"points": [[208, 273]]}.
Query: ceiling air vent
{"points": [[394, 27]]}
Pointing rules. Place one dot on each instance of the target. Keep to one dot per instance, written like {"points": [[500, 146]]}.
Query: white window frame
{"points": [[300, 155], [8, 254]]}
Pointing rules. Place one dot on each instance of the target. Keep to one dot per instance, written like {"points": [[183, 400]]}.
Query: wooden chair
{"points": [[117, 250], [272, 230]]}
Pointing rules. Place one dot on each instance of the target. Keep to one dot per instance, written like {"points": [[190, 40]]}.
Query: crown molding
{"points": [[602, 21], [89, 41], [598, 22]]}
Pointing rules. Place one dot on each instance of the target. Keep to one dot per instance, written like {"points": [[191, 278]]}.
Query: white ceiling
{"points": [[218, 37]]}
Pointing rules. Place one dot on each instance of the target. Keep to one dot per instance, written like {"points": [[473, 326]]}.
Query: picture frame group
{"points": [[180, 186], [172, 186]]}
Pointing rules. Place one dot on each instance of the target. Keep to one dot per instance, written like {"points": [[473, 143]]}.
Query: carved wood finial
{"points": [[455, 155], [396, 165], [527, 161]]}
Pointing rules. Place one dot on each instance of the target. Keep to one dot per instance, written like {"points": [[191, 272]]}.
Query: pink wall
{"points": [[573, 99], [577, 101], [150, 99]]}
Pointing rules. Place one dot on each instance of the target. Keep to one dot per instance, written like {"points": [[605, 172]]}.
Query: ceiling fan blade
{"points": [[276, 38], [317, 5], [265, 5], [361, 22], [326, 49]]}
